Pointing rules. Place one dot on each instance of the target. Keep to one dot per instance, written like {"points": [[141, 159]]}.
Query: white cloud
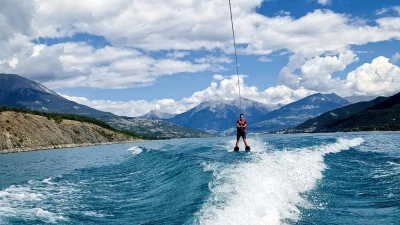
{"points": [[129, 108], [397, 9], [175, 24], [194, 25], [13, 62], [81, 65], [376, 78], [218, 77], [390, 23], [15, 18], [395, 58], [316, 73], [37, 49], [225, 88], [382, 11], [180, 27], [324, 2], [389, 9]]}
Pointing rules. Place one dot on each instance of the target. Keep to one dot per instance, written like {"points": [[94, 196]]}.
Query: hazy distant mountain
{"points": [[355, 99], [382, 113], [298, 112], [155, 114], [219, 117], [17, 91]]}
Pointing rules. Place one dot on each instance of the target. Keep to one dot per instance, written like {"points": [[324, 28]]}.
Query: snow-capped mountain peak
{"points": [[155, 114]]}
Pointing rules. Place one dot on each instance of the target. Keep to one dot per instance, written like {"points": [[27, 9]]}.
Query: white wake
{"points": [[269, 189]]}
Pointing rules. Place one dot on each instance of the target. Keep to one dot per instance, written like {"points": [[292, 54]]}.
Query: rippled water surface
{"points": [[341, 178]]}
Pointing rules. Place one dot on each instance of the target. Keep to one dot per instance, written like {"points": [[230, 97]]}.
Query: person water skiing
{"points": [[241, 132]]}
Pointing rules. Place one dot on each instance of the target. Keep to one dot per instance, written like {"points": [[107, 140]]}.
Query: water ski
{"points": [[236, 149]]}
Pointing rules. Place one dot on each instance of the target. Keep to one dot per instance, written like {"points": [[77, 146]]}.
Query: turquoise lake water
{"points": [[340, 178]]}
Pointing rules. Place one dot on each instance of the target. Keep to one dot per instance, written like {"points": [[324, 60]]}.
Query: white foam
{"points": [[394, 164], [255, 144], [342, 144], [92, 214], [47, 216], [135, 150], [269, 189], [31, 201], [208, 166], [19, 193], [47, 180]]}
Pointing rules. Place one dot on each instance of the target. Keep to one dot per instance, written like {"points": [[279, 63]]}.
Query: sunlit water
{"points": [[342, 178]]}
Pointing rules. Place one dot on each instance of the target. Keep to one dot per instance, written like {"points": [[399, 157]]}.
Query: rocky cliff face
{"points": [[26, 132]]}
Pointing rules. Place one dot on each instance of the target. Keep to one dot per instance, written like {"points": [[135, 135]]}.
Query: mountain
{"points": [[382, 113], [17, 91], [355, 99], [298, 112], [327, 121], [155, 114], [219, 117]]}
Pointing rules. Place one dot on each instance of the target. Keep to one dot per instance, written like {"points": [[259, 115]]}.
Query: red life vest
{"points": [[241, 123]]}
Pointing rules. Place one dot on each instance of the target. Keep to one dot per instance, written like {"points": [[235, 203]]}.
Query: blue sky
{"points": [[129, 57]]}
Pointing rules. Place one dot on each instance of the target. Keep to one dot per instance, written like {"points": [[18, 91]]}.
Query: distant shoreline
{"points": [[61, 146]]}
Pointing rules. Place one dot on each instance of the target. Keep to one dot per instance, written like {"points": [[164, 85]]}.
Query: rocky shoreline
{"points": [[20, 132], [50, 147]]}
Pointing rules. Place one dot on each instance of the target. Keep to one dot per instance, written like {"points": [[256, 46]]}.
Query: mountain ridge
{"points": [[155, 114], [27, 132], [382, 113], [219, 117], [18, 91], [299, 111]]}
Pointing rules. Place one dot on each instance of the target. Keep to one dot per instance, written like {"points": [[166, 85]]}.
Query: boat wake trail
{"points": [[269, 188]]}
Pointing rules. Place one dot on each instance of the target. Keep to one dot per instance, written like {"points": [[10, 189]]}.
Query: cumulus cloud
{"points": [[395, 58], [15, 18], [332, 41], [74, 64], [195, 25], [176, 30], [316, 73], [376, 78]]}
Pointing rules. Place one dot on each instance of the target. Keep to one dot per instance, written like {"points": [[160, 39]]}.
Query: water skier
{"points": [[241, 132]]}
